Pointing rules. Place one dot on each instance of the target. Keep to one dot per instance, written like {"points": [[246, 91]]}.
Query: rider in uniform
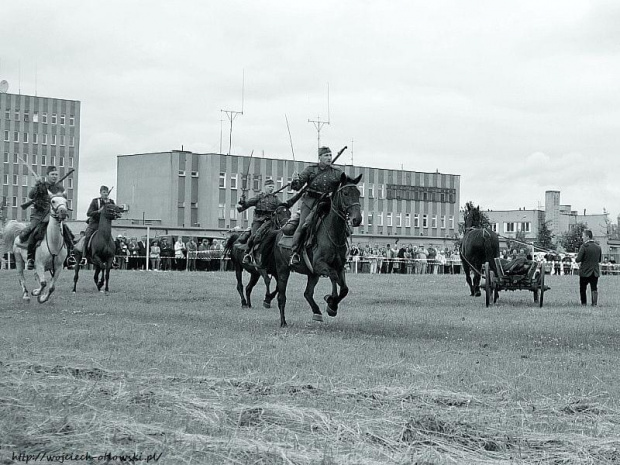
{"points": [[264, 205], [320, 178], [39, 196], [95, 209]]}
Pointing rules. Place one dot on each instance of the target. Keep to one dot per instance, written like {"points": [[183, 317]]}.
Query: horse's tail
{"points": [[229, 244], [11, 231]]}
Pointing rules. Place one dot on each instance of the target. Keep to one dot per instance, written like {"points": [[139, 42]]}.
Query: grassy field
{"points": [[169, 367]]}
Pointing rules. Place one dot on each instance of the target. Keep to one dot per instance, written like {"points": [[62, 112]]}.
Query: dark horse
{"points": [[479, 245], [236, 251], [328, 255], [102, 248]]}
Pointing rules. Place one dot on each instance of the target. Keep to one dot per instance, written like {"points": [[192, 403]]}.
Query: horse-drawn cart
{"points": [[533, 279]]}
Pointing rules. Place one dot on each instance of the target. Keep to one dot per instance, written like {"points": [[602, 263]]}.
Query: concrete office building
{"points": [[185, 189], [36, 132]]}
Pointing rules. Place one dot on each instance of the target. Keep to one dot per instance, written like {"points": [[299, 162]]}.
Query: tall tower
{"points": [[552, 210]]}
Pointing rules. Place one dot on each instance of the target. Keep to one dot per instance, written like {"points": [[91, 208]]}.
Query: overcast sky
{"points": [[516, 97]]}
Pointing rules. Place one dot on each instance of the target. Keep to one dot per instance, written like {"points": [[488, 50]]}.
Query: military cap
{"points": [[269, 182], [50, 169], [324, 150]]}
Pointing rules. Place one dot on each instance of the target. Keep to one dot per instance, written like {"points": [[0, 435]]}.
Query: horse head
{"points": [[58, 206], [473, 218], [280, 216], [112, 212], [346, 199]]}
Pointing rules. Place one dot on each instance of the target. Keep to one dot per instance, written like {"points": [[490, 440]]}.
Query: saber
{"points": [[36, 176], [289, 136], [339, 153], [247, 173], [30, 202]]}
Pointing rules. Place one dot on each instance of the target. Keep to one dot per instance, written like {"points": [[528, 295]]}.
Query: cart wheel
{"points": [[488, 285], [541, 288]]}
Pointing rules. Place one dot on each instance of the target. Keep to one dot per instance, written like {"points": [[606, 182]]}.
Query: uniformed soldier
{"points": [[321, 178], [264, 205], [94, 212], [39, 196]]}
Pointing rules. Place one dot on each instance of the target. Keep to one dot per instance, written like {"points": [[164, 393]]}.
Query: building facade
{"points": [[36, 132], [508, 223], [188, 189]]}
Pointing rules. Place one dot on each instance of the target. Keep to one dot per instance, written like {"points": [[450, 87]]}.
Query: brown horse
{"points": [[329, 254], [102, 248], [478, 247], [266, 269]]}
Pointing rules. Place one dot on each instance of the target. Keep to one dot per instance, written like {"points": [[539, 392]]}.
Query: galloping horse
{"points": [[237, 252], [478, 247], [50, 254], [102, 248], [329, 254]]}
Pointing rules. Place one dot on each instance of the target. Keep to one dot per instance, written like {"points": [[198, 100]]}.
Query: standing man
{"points": [[264, 205], [321, 178], [94, 212], [589, 257], [41, 207]]}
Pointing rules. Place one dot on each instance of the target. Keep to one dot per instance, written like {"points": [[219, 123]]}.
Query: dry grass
{"points": [[411, 371]]}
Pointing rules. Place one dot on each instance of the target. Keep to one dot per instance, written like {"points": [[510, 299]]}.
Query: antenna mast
{"points": [[318, 124], [232, 114]]}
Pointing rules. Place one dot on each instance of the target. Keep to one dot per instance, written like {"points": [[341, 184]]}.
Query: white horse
{"points": [[50, 254]]}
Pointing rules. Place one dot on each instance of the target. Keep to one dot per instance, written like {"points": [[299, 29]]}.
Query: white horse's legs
{"points": [[20, 265]]}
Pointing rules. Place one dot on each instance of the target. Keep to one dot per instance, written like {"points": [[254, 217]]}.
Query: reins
{"points": [[338, 209]]}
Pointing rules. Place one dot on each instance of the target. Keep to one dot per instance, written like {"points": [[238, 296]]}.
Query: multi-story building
{"points": [[181, 188], [509, 223], [36, 132]]}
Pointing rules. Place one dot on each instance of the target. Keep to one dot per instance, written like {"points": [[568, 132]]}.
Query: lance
{"points": [[33, 172], [335, 158], [30, 202], [290, 138]]}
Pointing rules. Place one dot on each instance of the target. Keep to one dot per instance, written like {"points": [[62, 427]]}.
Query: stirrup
{"points": [[295, 258], [247, 258], [30, 264]]}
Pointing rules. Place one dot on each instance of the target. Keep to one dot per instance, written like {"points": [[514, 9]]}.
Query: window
{"points": [[44, 117], [233, 181], [6, 179], [43, 162], [61, 161], [369, 223], [53, 160], [25, 158], [362, 214], [233, 212], [7, 115], [182, 173], [407, 220], [6, 136], [380, 219], [495, 227], [24, 179], [70, 203], [280, 183], [71, 120], [416, 220], [25, 138], [54, 118], [381, 191], [62, 140], [509, 227], [443, 222], [16, 136], [223, 182], [526, 227], [221, 211], [62, 119], [194, 174], [434, 221], [71, 141], [388, 219], [35, 138], [371, 191], [70, 162], [15, 179], [34, 158], [44, 141], [256, 183], [15, 158], [361, 189], [6, 157], [53, 139], [70, 182], [35, 117], [451, 222], [26, 116], [16, 115], [399, 220], [425, 221], [15, 201]]}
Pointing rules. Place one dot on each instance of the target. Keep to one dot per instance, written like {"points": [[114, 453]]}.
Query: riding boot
{"points": [[32, 248], [594, 298], [297, 239]]}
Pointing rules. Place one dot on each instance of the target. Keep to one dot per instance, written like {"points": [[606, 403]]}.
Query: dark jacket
{"points": [[589, 257], [319, 180], [40, 195], [93, 210], [265, 204]]}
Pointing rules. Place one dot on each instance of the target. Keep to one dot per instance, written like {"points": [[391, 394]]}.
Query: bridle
{"points": [[54, 211], [341, 212]]}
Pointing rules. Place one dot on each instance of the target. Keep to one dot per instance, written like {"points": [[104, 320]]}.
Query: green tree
{"points": [[572, 240], [544, 240]]}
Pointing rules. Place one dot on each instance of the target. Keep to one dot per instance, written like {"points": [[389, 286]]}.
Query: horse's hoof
{"points": [[317, 317], [244, 306], [266, 305], [36, 292], [478, 294], [331, 312]]}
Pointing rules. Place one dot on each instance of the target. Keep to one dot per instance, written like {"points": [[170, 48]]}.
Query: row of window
{"points": [[8, 201], [513, 227], [53, 138], [23, 158], [380, 189], [25, 180], [38, 117]]}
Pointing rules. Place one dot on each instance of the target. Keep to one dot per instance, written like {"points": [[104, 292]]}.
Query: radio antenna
{"points": [[318, 124], [232, 114]]}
